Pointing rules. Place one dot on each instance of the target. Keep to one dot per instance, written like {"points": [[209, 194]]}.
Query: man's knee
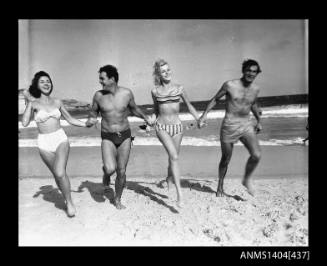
{"points": [[256, 156], [109, 169], [121, 171]]}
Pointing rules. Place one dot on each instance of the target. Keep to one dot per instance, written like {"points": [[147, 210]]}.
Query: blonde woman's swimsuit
{"points": [[173, 95]]}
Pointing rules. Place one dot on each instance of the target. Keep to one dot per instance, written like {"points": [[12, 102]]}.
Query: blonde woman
{"points": [[169, 129]]}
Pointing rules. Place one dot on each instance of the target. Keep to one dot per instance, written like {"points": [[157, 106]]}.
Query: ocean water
{"points": [[281, 126]]}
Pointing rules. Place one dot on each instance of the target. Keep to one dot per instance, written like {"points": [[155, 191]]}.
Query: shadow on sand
{"points": [[196, 185], [97, 191], [145, 191], [51, 194]]}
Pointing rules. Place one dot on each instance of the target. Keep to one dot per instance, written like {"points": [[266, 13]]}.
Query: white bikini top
{"points": [[42, 116]]}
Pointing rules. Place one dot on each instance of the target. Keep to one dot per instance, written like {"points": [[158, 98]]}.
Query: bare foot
{"points": [[71, 210], [162, 184], [248, 187], [105, 179], [220, 193], [179, 204], [165, 183], [118, 204]]}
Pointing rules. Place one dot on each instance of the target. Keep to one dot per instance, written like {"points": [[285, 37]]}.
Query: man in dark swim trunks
{"points": [[114, 103]]}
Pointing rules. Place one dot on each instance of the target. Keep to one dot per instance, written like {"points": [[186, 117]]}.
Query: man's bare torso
{"points": [[114, 109], [239, 99]]}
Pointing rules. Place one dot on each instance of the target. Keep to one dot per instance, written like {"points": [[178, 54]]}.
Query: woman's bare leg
{"points": [[57, 162], [169, 145]]}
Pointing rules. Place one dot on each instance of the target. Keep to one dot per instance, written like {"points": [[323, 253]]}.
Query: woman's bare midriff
{"points": [[168, 113], [49, 126]]}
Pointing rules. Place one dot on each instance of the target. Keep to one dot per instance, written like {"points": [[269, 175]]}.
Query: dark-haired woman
{"points": [[52, 141]]}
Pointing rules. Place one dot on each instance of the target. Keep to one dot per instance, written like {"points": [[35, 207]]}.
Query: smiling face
{"points": [[165, 73], [104, 80], [250, 73], [45, 85]]}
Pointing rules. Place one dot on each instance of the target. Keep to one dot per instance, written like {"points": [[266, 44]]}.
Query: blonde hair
{"points": [[156, 71]]}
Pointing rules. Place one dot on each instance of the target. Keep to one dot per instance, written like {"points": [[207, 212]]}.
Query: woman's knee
{"points": [[173, 157], [59, 173]]}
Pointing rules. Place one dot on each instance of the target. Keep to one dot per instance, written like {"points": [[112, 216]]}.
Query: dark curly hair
{"points": [[250, 62], [34, 88], [111, 71]]}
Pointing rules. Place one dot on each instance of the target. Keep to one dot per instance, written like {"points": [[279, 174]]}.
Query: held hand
{"points": [[201, 122], [91, 122], [151, 120]]}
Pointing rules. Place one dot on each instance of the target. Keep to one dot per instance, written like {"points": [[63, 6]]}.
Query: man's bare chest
{"points": [[244, 96], [110, 103]]}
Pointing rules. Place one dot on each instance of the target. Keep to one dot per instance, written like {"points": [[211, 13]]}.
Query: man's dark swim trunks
{"points": [[117, 138]]}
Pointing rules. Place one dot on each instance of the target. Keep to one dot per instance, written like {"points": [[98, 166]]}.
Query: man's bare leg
{"points": [[109, 154], [123, 152], [227, 151], [250, 141]]}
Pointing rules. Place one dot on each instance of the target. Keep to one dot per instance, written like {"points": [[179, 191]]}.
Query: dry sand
{"points": [[276, 216]]}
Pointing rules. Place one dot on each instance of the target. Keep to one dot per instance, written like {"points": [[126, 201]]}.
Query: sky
{"points": [[202, 54]]}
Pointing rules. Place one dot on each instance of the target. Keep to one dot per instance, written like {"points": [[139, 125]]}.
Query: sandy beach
{"points": [[276, 216]]}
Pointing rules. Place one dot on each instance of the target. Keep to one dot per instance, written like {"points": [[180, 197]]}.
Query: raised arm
{"points": [[28, 110], [27, 114], [71, 120], [190, 106]]}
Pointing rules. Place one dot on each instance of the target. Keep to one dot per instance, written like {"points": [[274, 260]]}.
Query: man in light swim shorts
{"points": [[241, 95]]}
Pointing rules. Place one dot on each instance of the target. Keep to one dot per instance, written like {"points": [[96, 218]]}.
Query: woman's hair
{"points": [[34, 88], [250, 62], [156, 71]]}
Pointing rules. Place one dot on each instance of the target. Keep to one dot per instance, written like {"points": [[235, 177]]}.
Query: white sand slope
{"points": [[277, 215]]}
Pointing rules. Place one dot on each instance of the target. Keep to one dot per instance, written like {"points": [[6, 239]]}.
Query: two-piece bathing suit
{"points": [[173, 95], [50, 141]]}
